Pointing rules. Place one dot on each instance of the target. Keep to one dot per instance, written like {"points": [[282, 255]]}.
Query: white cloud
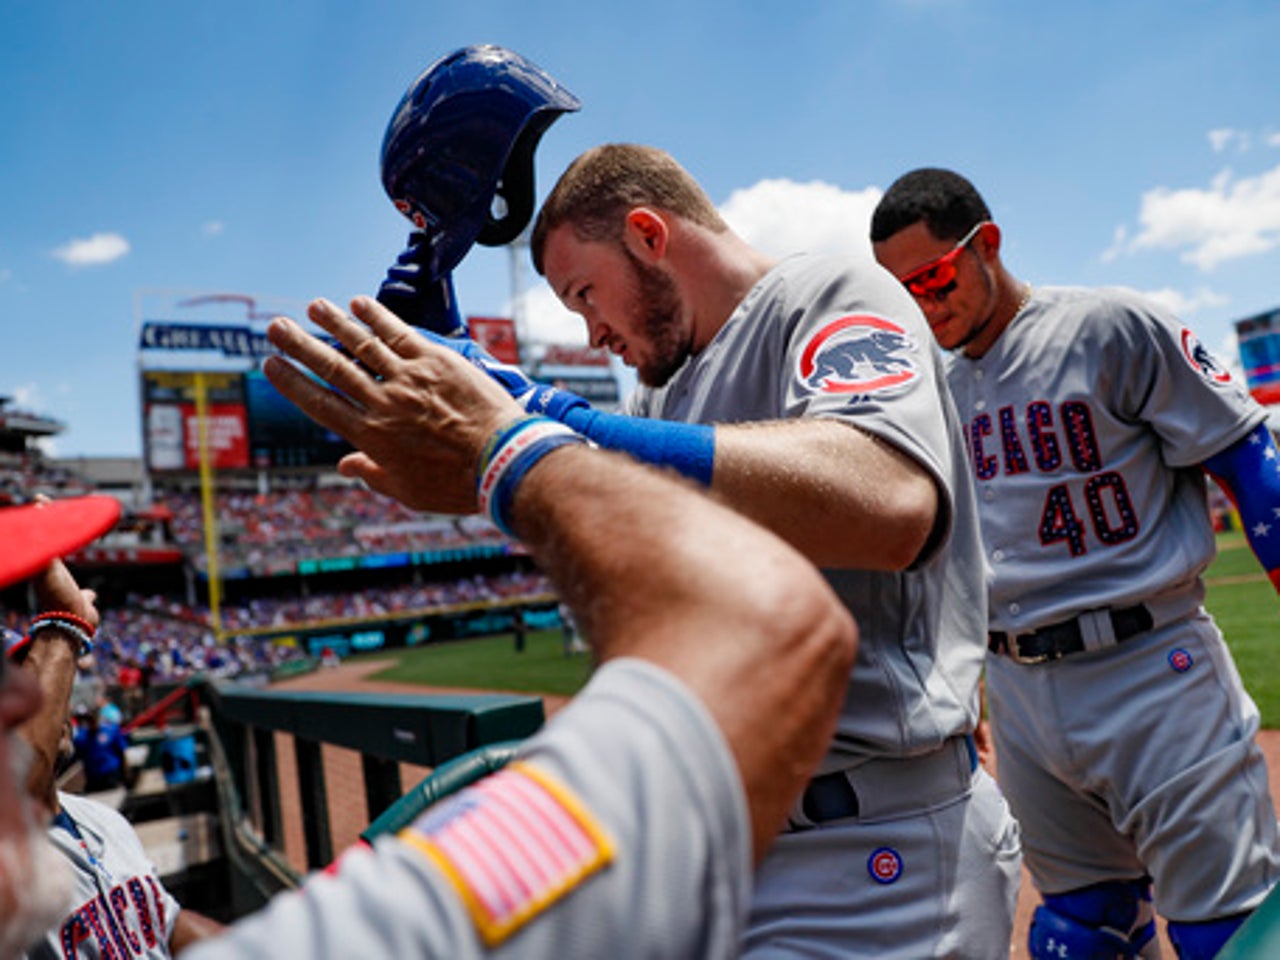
{"points": [[48, 446], [97, 249], [1224, 137], [1119, 242], [1232, 218], [1273, 140], [27, 396], [5, 274], [1220, 138], [544, 319], [212, 228], [1185, 305], [1228, 353], [781, 217]]}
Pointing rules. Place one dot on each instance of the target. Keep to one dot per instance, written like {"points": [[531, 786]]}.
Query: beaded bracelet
{"points": [[510, 453], [69, 623]]}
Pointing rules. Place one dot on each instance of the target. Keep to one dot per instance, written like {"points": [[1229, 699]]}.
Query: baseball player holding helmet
{"points": [[1124, 738], [628, 827], [902, 846]]}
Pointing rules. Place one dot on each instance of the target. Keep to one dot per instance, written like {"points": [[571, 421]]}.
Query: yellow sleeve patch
{"points": [[511, 845]]}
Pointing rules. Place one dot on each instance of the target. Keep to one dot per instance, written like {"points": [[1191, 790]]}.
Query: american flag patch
{"points": [[511, 845]]}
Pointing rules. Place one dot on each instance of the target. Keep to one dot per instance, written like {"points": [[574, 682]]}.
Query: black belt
{"points": [[1061, 639], [831, 796]]}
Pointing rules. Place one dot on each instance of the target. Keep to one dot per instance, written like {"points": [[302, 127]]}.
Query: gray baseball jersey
{"points": [[1086, 422], [928, 863], [823, 337], [120, 908], [621, 830]]}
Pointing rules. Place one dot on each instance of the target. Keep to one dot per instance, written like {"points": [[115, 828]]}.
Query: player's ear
{"points": [[646, 234], [987, 240]]}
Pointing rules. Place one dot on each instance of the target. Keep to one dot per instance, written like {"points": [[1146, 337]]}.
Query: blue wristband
{"points": [[509, 455]]}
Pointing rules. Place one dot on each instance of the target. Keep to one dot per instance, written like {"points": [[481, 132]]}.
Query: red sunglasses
{"points": [[939, 275]]}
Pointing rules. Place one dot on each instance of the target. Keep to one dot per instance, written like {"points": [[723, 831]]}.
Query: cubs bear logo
{"points": [[1201, 360], [859, 353], [1180, 660]]}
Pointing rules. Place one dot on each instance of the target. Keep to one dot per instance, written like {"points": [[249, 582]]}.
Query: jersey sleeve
{"points": [[620, 830], [861, 352], [1171, 381]]}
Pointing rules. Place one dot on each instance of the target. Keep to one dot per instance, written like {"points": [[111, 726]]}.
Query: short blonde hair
{"points": [[602, 185]]}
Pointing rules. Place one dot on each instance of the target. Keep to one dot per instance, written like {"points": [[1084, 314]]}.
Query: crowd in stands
{"points": [[373, 603], [160, 639], [267, 533], [25, 475], [163, 639]]}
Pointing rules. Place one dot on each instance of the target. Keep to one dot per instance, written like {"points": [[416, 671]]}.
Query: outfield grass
{"points": [[491, 663], [1240, 598], [1247, 609]]}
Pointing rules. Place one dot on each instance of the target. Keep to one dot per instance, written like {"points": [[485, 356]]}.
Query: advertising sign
{"points": [[498, 336], [1259, 338]]}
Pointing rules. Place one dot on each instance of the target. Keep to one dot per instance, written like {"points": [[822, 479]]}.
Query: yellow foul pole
{"points": [[213, 576]]}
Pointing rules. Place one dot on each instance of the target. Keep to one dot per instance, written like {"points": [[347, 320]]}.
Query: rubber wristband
{"points": [[78, 620], [508, 457], [66, 627]]}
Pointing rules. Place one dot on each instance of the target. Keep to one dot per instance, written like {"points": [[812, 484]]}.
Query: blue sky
{"points": [[232, 147]]}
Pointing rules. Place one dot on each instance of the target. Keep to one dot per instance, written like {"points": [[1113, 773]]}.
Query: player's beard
{"points": [[658, 318], [979, 327], [35, 879]]}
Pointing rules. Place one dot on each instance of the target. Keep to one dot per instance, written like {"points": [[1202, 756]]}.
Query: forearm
{"points": [[844, 498], [1249, 473], [192, 927], [51, 659], [644, 561]]}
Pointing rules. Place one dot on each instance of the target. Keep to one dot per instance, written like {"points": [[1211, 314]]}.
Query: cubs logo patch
{"points": [[511, 845], [884, 865], [1180, 660], [1201, 360], [859, 353]]}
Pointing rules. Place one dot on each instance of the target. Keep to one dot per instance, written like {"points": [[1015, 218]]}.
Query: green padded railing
{"points": [[1259, 938], [444, 780], [385, 730]]}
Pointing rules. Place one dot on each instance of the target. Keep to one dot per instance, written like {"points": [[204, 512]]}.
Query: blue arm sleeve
{"points": [[688, 448], [1249, 473]]}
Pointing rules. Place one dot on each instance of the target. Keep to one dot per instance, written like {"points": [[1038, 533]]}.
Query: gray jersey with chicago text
{"points": [[1086, 423], [119, 908], [621, 830], [828, 337]]}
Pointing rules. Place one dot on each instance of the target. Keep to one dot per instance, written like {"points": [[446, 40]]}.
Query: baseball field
{"points": [[1240, 598]]}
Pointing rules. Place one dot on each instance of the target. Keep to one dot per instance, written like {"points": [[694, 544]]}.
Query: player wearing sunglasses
{"points": [[968, 300], [1124, 738], [937, 278]]}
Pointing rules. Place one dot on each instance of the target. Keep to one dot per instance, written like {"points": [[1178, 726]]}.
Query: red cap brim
{"points": [[33, 535]]}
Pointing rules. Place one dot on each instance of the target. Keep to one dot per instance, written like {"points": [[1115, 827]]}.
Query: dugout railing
{"points": [[242, 724], [461, 737]]}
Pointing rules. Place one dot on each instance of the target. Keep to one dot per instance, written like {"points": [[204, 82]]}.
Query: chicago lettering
{"points": [[1013, 445], [125, 922]]}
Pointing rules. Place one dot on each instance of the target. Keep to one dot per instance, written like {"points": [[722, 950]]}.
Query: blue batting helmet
{"points": [[462, 135]]}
